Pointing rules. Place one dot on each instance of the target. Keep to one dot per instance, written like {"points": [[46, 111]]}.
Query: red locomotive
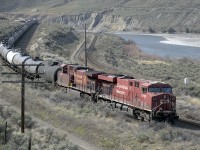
{"points": [[146, 99]]}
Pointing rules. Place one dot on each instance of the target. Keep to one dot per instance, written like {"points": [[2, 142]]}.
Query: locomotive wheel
{"points": [[135, 114], [147, 117]]}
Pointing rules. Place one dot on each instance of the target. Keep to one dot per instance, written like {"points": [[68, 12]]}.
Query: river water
{"points": [[160, 46]]}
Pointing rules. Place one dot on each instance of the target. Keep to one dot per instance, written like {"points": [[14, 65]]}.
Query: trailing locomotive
{"points": [[146, 99]]}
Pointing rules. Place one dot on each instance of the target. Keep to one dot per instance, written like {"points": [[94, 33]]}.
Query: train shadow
{"points": [[184, 125], [24, 41], [177, 123]]}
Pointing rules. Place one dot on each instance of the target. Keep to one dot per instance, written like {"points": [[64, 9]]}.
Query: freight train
{"points": [[145, 99]]}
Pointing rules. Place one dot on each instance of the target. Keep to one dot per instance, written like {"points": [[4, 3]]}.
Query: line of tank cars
{"points": [[146, 99]]}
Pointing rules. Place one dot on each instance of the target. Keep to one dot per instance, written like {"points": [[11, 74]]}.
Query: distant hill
{"points": [[147, 15], [13, 5]]}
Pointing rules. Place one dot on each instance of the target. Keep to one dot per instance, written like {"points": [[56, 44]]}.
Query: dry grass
{"points": [[188, 107], [153, 62], [194, 101]]}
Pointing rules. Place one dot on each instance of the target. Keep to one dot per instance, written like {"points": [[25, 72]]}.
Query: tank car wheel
{"points": [[87, 97], [94, 98], [82, 95], [112, 106]]}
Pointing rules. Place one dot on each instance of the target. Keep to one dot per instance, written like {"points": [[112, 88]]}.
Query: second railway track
{"points": [[92, 61]]}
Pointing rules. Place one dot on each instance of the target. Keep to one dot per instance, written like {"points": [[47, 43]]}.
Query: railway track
{"points": [[190, 123], [77, 57], [93, 61]]}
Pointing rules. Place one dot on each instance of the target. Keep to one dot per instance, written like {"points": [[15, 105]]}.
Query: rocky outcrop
{"points": [[99, 22], [154, 21]]}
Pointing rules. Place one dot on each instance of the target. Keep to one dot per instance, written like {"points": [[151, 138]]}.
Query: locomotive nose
{"points": [[164, 102]]}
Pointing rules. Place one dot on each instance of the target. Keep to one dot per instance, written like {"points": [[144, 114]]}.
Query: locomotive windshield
{"points": [[155, 90], [167, 90], [159, 90]]}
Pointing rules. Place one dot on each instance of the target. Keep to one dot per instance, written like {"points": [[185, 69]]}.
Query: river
{"points": [[166, 45]]}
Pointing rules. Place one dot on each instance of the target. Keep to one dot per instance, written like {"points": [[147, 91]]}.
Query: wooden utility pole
{"points": [[22, 98], [85, 47], [29, 144], [23, 76], [5, 136]]}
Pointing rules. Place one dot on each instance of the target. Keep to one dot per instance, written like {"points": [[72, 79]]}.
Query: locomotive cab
{"points": [[163, 101]]}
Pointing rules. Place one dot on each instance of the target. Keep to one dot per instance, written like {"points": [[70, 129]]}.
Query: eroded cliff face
{"points": [[105, 21], [100, 22]]}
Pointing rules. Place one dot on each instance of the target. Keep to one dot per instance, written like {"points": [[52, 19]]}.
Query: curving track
{"points": [[93, 61], [77, 56]]}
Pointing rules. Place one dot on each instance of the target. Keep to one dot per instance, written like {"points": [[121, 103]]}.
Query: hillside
{"points": [[158, 15], [13, 5]]}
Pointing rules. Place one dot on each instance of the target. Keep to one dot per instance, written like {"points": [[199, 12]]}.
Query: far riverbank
{"points": [[166, 45]]}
